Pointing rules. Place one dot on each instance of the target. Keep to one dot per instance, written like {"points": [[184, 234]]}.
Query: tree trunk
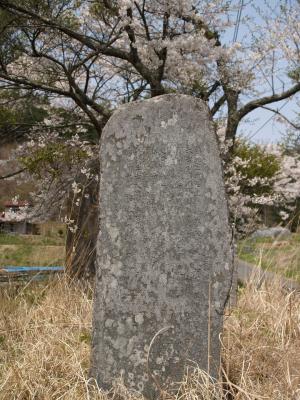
{"points": [[81, 244]]}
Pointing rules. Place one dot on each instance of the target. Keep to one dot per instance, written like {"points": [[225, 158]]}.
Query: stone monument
{"points": [[164, 248]]}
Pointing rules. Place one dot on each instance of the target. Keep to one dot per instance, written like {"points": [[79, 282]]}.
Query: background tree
{"points": [[19, 112], [290, 142], [251, 178], [96, 55], [288, 182], [65, 172]]}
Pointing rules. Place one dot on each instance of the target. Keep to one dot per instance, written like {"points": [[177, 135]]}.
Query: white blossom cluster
{"points": [[287, 184], [174, 42], [189, 40], [284, 196], [244, 208], [57, 180], [60, 169]]}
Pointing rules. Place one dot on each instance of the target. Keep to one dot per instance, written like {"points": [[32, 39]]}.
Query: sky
{"points": [[261, 126], [264, 127]]}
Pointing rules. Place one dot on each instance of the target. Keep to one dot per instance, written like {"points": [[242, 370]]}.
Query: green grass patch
{"points": [[280, 255], [31, 255], [31, 240], [30, 250]]}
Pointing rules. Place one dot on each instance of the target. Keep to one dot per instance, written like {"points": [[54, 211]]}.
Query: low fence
{"points": [[244, 272], [26, 273]]}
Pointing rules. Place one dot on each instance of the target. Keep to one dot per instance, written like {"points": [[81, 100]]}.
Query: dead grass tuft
{"points": [[262, 342], [45, 345]]}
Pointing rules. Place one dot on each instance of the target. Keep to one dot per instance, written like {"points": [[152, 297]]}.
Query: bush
{"points": [[250, 176]]}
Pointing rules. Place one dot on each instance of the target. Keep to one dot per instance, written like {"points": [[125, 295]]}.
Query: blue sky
{"points": [[259, 125], [265, 128]]}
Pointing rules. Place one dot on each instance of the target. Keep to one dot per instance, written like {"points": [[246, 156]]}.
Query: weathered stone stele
{"points": [[164, 254]]}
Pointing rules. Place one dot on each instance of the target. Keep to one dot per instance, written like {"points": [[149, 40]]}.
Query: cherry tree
{"points": [[65, 173], [287, 183], [90, 56]]}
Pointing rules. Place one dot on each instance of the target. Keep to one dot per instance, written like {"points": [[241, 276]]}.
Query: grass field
{"points": [[45, 338], [280, 255], [45, 332], [31, 250]]}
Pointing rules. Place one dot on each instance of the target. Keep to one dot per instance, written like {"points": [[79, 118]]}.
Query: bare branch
{"points": [[88, 41], [13, 173], [212, 89], [142, 14], [253, 105], [94, 44], [26, 83], [215, 108], [282, 116]]}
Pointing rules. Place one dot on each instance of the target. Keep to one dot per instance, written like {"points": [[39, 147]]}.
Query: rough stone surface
{"points": [[164, 251]]}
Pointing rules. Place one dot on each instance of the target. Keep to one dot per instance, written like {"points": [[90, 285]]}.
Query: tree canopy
{"points": [[101, 53]]}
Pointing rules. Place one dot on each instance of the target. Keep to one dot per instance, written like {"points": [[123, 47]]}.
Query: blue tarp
{"points": [[10, 268]]}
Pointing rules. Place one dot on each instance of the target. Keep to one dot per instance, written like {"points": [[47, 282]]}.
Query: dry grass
{"points": [[45, 342], [262, 343]]}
